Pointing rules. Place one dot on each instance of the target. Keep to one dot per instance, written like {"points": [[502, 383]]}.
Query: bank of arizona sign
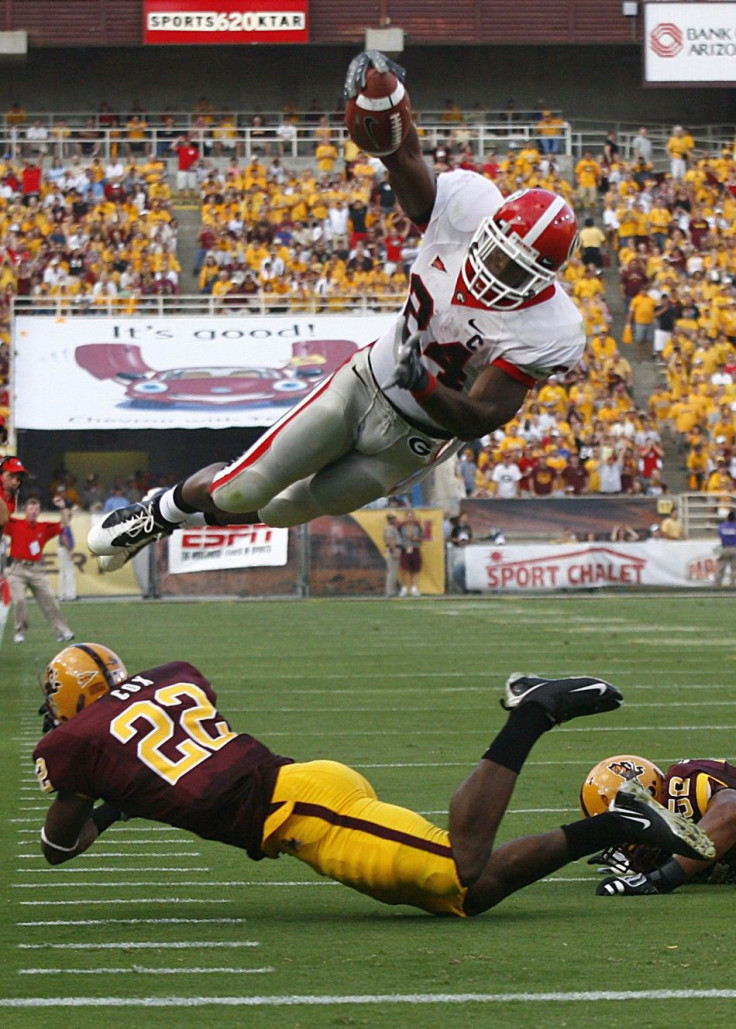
{"points": [[690, 42]]}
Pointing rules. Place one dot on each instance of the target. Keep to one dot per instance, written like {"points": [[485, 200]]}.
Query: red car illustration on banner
{"points": [[212, 385]]}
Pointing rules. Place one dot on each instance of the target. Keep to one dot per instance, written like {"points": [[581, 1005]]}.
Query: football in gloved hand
{"points": [[378, 117]]}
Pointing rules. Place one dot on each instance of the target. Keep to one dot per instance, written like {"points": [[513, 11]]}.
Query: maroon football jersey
{"points": [[690, 785], [157, 747]]}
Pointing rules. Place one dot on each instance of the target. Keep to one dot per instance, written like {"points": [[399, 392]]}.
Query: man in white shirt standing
{"points": [[506, 477]]}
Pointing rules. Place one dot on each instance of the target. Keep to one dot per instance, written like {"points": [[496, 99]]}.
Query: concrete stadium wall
{"points": [[597, 82]]}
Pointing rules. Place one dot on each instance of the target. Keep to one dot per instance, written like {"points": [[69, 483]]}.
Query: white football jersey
{"points": [[461, 336]]}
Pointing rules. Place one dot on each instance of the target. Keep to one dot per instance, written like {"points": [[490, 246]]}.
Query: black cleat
{"points": [[562, 699], [645, 820]]}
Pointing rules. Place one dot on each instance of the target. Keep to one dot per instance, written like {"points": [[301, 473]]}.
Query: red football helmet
{"points": [[517, 251]]}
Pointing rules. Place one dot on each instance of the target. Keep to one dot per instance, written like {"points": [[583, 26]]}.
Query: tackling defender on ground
{"points": [[703, 790], [153, 745]]}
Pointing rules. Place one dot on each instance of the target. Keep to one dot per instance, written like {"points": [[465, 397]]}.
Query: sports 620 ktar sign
{"points": [[686, 43], [183, 22]]}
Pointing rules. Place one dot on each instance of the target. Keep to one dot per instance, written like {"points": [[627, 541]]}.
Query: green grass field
{"points": [[165, 930]]}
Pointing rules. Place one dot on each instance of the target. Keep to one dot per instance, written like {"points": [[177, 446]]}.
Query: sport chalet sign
{"points": [[224, 22]]}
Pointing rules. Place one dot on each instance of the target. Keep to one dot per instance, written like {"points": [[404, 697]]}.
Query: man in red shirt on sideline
{"points": [[28, 537], [12, 471]]}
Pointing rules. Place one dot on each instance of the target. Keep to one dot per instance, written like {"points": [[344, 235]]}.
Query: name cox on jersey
{"points": [[131, 687]]}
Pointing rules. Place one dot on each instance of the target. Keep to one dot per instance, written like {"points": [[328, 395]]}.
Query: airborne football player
{"points": [[484, 321]]}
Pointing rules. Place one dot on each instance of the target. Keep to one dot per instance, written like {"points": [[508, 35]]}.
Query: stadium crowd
{"points": [[103, 234]]}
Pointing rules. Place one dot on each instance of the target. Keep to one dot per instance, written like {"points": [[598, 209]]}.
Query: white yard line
{"points": [[135, 921], [587, 997], [140, 970], [144, 945]]}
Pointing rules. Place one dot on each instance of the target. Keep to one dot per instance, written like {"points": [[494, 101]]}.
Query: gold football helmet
{"points": [[78, 676], [602, 782]]}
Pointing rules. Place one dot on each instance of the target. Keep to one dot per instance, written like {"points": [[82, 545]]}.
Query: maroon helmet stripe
{"points": [[98, 661], [372, 828]]}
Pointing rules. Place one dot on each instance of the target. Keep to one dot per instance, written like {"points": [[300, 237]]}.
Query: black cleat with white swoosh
{"points": [[646, 821], [562, 699]]}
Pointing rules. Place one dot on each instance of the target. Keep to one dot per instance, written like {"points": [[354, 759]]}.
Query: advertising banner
{"points": [[690, 42], [212, 547], [431, 578], [213, 22], [175, 372], [590, 565]]}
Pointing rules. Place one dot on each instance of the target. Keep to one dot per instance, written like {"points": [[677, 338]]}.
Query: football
{"points": [[379, 117]]}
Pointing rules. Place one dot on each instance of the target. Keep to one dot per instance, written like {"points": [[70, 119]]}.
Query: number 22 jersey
{"points": [[158, 748]]}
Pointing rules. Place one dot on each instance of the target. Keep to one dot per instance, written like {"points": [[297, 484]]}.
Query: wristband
{"points": [[57, 846], [427, 390], [669, 876]]}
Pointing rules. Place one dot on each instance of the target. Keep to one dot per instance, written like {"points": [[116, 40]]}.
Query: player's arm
{"points": [[411, 178], [719, 822], [4, 513], [493, 399], [72, 826], [409, 174]]}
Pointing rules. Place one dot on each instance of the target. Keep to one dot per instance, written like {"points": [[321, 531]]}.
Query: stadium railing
{"points": [[494, 131], [701, 513], [64, 305]]}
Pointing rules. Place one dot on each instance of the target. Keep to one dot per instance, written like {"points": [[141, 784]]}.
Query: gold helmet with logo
{"points": [[78, 676], [602, 782]]}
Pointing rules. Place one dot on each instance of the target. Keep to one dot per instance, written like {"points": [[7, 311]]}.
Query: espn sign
{"points": [[210, 548], [191, 22], [690, 42]]}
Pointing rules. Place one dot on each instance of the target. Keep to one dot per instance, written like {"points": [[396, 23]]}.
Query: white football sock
{"points": [[169, 510]]}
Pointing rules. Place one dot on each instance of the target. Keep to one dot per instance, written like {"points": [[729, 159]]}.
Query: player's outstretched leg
{"points": [[121, 534], [561, 699], [635, 817], [535, 705]]}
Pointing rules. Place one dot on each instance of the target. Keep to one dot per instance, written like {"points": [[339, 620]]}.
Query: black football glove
{"points": [[626, 886], [611, 862], [358, 67], [48, 721], [410, 372]]}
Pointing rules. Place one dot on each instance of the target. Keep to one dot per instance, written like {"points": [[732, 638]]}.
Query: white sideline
{"points": [[139, 970], [390, 998]]}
